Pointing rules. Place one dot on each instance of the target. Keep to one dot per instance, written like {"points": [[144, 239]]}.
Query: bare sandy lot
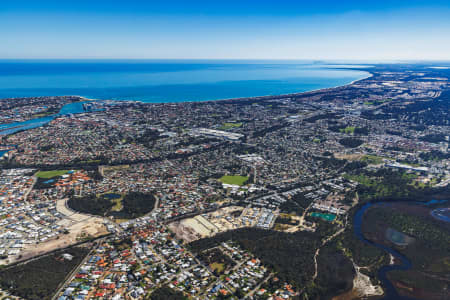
{"points": [[191, 229], [79, 226], [348, 156]]}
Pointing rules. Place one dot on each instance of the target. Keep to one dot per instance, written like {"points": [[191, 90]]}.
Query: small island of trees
{"points": [[133, 205]]}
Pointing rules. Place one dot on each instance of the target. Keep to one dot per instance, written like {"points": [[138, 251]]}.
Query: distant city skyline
{"points": [[324, 30]]}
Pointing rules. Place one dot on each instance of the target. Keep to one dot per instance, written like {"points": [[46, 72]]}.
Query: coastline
{"points": [[10, 129], [262, 97], [267, 97], [367, 72]]}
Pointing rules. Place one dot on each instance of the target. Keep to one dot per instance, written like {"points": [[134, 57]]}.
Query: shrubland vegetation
{"points": [[430, 112], [217, 261], [428, 251], [91, 204], [433, 235], [290, 255], [390, 185], [325, 116], [134, 205], [349, 129], [350, 142], [335, 272], [433, 138], [434, 155], [166, 293], [39, 278]]}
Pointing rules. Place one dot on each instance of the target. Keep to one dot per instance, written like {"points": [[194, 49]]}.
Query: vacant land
{"points": [[223, 219], [79, 227], [236, 179]]}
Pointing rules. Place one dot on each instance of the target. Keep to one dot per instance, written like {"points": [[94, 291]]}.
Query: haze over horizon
{"points": [[325, 30]]}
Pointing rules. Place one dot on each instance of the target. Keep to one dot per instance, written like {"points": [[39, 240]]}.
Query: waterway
{"points": [[442, 214], [405, 263], [111, 196], [159, 81], [10, 128]]}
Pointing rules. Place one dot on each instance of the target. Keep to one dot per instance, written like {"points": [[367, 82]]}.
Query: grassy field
{"points": [[236, 180], [51, 174], [217, 267], [348, 129], [118, 206], [372, 159], [377, 102], [227, 126]]}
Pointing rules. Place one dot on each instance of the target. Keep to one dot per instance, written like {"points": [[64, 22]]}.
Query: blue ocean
{"points": [[167, 80]]}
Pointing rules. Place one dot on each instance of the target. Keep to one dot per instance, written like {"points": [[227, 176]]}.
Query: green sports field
{"points": [[50, 174], [236, 180], [230, 125]]}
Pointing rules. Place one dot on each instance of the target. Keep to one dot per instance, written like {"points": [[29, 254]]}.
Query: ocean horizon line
{"points": [[170, 81]]}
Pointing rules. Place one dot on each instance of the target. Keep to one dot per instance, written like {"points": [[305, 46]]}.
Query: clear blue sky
{"points": [[338, 29]]}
